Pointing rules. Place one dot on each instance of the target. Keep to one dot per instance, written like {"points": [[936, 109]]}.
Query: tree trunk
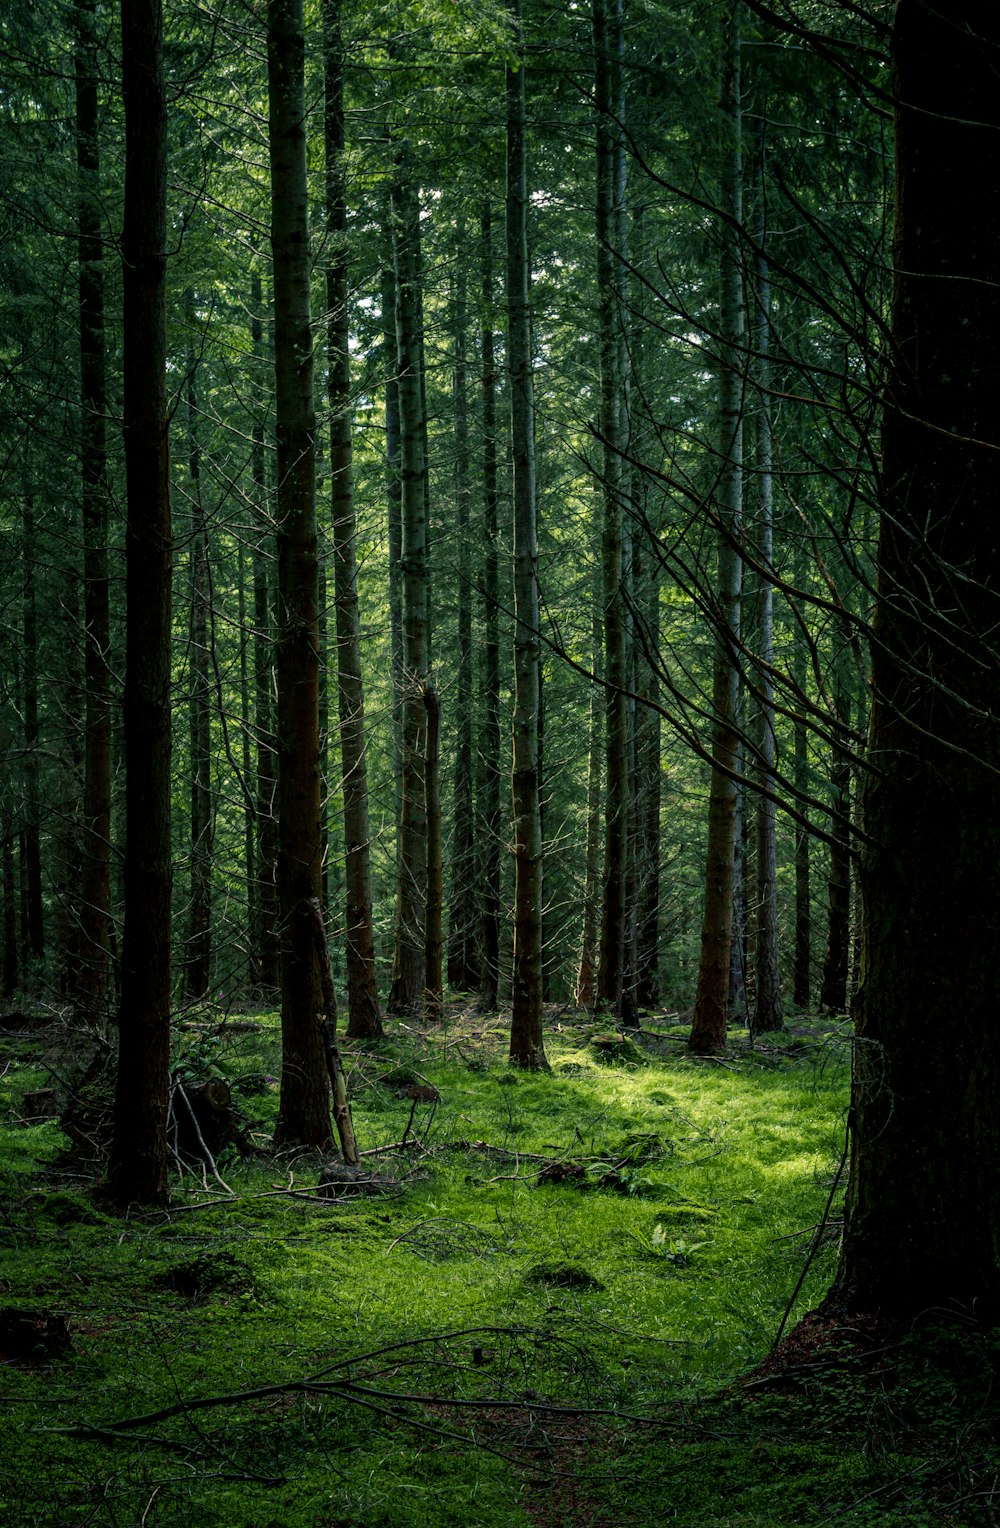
{"points": [[586, 981], [768, 1011], [836, 960], [266, 944], [9, 904], [364, 1009], [609, 219], [199, 939], [923, 1214], [138, 1165], [433, 929], [95, 889], [33, 930], [708, 1032], [526, 1043], [409, 956], [463, 965], [488, 787], [304, 1110]]}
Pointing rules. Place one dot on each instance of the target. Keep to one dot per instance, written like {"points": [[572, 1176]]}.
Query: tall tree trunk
{"points": [[34, 926], [768, 1011], [394, 509], [488, 785], [138, 1165], [266, 942], [364, 1009], [199, 936], [610, 275], [9, 903], [409, 963], [95, 890], [923, 1214], [433, 927], [586, 981], [836, 959], [708, 1031], [304, 1109], [463, 965], [526, 1043], [802, 971], [246, 754]]}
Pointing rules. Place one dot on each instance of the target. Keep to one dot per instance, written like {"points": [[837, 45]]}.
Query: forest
{"points": [[498, 810]]}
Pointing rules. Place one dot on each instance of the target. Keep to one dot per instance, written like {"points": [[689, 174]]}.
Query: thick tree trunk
{"points": [[364, 1009], [409, 955], [433, 921], [394, 510], [95, 889], [488, 785], [923, 1214], [9, 903], [304, 1109], [138, 1165], [526, 1043], [708, 1032]]}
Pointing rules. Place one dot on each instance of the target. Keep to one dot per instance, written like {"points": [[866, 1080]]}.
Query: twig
{"points": [[208, 1157]]}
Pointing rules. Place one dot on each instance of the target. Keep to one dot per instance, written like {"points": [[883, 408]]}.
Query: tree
{"points": [[708, 1031], [364, 1011], [526, 1044], [304, 1110], [923, 1213], [138, 1166], [95, 891]]}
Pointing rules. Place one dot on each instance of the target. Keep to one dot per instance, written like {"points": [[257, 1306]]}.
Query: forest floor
{"points": [[551, 1302]]}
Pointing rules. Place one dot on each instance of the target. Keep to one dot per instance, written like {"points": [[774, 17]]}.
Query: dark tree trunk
{"points": [[95, 888], [9, 904], [409, 956], [708, 1032], [923, 1214], [488, 786], [610, 272], [433, 928], [394, 509], [266, 943], [138, 1165], [463, 964], [768, 1011], [198, 955], [836, 959], [33, 930], [526, 1044], [304, 1110], [364, 1010], [586, 981]]}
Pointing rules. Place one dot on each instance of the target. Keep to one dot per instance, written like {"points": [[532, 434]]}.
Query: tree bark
{"points": [[304, 1109], [768, 1011], [526, 1044], [364, 1009], [266, 943], [95, 890], [708, 1031], [409, 955], [610, 272], [463, 964], [138, 1165], [488, 785], [198, 955], [923, 1214]]}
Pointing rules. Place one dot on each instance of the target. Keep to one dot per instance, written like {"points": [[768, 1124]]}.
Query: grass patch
{"points": [[542, 1322]]}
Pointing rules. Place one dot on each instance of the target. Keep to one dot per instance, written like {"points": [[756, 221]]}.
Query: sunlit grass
{"points": [[652, 1273]]}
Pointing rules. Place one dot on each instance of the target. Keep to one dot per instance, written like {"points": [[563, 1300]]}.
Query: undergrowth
{"points": [[541, 1316]]}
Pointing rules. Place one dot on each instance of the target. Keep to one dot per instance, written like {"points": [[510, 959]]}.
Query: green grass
{"points": [[631, 1290]]}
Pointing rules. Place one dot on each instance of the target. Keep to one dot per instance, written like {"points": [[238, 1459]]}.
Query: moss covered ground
{"points": [[551, 1308]]}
